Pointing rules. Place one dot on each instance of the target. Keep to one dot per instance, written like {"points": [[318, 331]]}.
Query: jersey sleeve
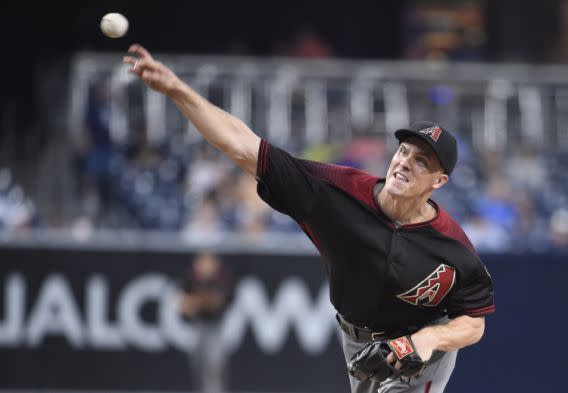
{"points": [[285, 182], [473, 294]]}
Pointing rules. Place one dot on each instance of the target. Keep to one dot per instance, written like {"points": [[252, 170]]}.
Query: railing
{"points": [[297, 103], [311, 102]]}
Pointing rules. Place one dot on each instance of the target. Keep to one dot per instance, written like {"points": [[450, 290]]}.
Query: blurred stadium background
{"points": [[107, 194]]}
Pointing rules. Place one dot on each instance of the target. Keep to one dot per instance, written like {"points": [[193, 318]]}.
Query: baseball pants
{"points": [[432, 379], [208, 360]]}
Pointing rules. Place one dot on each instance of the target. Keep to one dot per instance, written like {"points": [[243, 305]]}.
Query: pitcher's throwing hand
{"points": [[154, 73]]}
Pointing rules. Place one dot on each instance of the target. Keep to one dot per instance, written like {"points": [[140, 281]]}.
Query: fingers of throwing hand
{"points": [[140, 51], [139, 58], [132, 61], [139, 65]]}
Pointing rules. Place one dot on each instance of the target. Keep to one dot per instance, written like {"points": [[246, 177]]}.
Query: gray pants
{"points": [[433, 378]]}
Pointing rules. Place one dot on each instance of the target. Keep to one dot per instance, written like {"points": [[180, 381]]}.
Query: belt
{"points": [[357, 332]]}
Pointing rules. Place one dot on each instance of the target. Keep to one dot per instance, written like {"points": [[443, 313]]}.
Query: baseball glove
{"points": [[371, 361]]}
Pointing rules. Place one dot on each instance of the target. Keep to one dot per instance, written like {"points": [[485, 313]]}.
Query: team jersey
{"points": [[382, 276]]}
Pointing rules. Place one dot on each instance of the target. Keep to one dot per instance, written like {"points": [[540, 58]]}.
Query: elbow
{"points": [[477, 329], [245, 147]]}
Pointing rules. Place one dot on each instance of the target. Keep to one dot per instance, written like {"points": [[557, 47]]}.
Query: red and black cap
{"points": [[443, 143]]}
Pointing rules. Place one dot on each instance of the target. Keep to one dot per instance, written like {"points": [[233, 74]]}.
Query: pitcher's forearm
{"points": [[221, 129], [456, 334], [224, 131]]}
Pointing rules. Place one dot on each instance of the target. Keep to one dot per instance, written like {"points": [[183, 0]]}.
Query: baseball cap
{"points": [[443, 143]]}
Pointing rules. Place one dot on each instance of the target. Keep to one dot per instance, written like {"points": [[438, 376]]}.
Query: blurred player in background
{"points": [[206, 290]]}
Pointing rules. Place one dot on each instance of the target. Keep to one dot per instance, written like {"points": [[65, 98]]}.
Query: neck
{"points": [[406, 211]]}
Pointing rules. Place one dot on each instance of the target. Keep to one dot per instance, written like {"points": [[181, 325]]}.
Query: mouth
{"points": [[400, 177]]}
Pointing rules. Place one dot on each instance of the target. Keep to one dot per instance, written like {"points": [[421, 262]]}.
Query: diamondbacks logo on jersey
{"points": [[433, 132], [431, 290]]}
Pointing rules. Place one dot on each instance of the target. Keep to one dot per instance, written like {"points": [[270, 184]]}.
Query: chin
{"points": [[395, 189]]}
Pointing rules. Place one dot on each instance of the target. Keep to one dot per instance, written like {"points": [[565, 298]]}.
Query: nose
{"points": [[404, 162]]}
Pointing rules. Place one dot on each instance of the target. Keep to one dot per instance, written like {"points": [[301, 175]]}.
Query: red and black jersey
{"points": [[383, 276]]}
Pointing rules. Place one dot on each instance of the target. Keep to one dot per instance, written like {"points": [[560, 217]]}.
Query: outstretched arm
{"points": [[221, 129]]}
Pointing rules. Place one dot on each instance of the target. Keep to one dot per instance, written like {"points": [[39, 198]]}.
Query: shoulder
{"points": [[352, 181], [447, 226], [330, 172], [344, 177], [464, 257]]}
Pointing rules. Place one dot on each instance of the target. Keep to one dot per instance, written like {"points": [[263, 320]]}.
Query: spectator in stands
{"points": [[366, 153], [144, 155], [526, 167], [307, 43], [486, 235], [248, 213], [95, 149], [558, 230], [204, 220], [17, 211], [206, 291], [496, 206], [531, 230], [207, 171], [157, 198]]}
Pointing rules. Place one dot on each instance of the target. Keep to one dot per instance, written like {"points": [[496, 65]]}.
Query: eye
{"points": [[422, 162]]}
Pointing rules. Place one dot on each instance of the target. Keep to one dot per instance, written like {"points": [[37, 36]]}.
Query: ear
{"points": [[440, 180]]}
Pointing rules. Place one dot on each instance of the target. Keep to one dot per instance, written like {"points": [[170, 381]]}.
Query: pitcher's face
{"points": [[414, 170]]}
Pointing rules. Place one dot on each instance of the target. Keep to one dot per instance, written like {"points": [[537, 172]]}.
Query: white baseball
{"points": [[114, 25]]}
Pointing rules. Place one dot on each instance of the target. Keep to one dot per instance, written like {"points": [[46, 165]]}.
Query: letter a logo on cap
{"points": [[433, 132]]}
